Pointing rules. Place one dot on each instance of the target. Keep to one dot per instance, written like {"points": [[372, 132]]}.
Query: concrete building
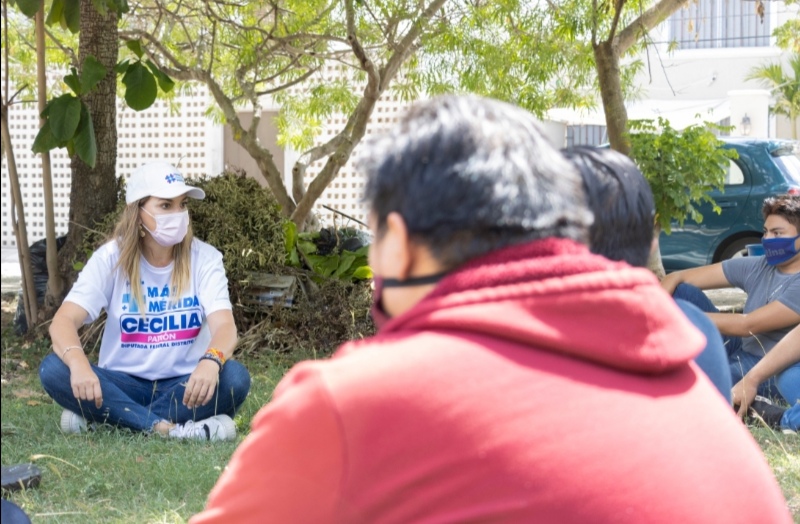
{"points": [[695, 70]]}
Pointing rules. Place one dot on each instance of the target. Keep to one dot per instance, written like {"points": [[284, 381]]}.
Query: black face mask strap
{"points": [[413, 281]]}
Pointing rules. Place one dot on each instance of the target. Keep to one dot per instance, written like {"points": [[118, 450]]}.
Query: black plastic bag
{"points": [[38, 252]]}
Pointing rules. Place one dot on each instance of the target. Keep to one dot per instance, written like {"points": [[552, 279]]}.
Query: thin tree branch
{"points": [[357, 221], [619, 5], [645, 22]]}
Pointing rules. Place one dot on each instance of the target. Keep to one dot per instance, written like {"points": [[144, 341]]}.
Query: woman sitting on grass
{"points": [[164, 359]]}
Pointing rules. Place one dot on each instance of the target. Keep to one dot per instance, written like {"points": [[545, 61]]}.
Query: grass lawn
{"points": [[110, 475], [116, 476]]}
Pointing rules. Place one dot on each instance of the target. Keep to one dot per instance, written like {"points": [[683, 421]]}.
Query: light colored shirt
{"points": [[170, 335]]}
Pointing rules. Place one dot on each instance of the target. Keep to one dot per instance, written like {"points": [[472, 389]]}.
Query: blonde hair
{"points": [[129, 240]]}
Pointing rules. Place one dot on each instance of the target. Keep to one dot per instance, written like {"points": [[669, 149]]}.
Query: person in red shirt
{"points": [[515, 376]]}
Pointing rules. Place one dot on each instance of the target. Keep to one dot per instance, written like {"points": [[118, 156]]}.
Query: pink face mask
{"points": [[170, 229]]}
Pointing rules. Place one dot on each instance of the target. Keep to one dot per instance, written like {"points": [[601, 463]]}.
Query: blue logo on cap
{"points": [[173, 177]]}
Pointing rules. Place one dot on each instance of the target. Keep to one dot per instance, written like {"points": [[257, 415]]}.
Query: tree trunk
{"points": [[20, 228], [607, 63], [54, 282], [94, 190]]}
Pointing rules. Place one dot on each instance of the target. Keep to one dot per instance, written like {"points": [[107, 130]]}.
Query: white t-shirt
{"points": [[172, 335]]}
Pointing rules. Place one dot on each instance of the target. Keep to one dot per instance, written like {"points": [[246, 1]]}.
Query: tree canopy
{"points": [[314, 58]]}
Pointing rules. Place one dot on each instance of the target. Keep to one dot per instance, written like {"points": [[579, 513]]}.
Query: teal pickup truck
{"points": [[765, 167]]}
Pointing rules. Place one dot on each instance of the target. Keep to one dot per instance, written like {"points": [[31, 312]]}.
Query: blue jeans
{"points": [[786, 384], [712, 360], [13, 514], [789, 387], [137, 403]]}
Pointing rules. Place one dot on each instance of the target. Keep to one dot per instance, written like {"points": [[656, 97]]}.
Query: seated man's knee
{"points": [[687, 292], [788, 383]]}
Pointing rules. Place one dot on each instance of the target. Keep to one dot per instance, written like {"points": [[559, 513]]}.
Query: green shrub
{"points": [[682, 166]]}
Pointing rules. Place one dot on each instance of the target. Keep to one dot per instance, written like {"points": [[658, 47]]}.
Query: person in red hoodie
{"points": [[515, 376]]}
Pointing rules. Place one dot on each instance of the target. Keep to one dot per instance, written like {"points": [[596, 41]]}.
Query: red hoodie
{"points": [[540, 383]]}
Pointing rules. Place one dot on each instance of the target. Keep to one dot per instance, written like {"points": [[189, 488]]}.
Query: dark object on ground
{"points": [[13, 514], [769, 412], [20, 476], [338, 240], [39, 267]]}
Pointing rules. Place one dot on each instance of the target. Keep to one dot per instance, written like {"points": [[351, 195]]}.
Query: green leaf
{"points": [[93, 72], [74, 82], [345, 262], [164, 82], [306, 247], [29, 8], [121, 67], [324, 265], [289, 235], [140, 87], [85, 142], [120, 5], [64, 116], [136, 47], [56, 13], [72, 15], [363, 273], [44, 141]]}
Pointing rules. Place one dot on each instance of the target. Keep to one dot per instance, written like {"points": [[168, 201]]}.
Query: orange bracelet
{"points": [[215, 355]]}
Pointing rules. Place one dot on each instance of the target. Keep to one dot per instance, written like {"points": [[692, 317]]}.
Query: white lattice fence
{"points": [[186, 138]]}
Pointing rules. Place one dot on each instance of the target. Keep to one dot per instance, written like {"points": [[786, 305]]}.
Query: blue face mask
{"points": [[779, 250]]}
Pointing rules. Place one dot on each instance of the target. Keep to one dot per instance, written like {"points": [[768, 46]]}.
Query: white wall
{"points": [[705, 74]]}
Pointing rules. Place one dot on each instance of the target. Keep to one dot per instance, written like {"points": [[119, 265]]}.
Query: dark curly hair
{"points": [[786, 206]]}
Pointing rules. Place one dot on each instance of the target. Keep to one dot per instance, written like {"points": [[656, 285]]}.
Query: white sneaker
{"points": [[219, 427], [72, 423]]}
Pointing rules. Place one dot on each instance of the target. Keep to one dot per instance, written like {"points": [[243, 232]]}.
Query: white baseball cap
{"points": [[158, 179]]}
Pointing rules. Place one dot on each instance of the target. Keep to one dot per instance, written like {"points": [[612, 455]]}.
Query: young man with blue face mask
{"points": [[772, 309]]}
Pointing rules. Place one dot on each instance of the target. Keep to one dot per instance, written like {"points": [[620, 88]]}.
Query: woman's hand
{"points": [[85, 384], [202, 384]]}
